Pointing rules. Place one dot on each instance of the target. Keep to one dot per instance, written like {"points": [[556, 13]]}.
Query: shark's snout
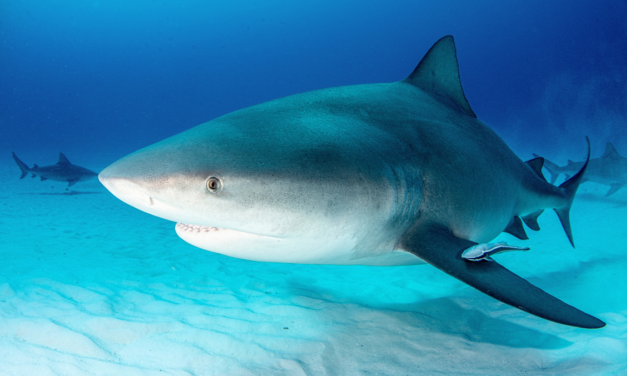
{"points": [[125, 189], [146, 192]]}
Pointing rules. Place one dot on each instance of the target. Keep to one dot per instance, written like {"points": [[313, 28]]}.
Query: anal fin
{"points": [[436, 245], [531, 220]]}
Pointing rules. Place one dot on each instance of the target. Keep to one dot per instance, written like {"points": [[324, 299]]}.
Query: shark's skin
{"points": [[62, 171], [610, 169], [379, 174]]}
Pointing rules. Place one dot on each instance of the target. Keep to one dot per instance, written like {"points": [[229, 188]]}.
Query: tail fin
{"points": [[21, 165], [569, 188], [552, 167]]}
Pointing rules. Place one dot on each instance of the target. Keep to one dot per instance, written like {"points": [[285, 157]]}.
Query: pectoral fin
{"points": [[439, 247], [613, 188]]}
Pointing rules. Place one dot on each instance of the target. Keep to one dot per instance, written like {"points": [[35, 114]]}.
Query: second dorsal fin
{"points": [[536, 165]]}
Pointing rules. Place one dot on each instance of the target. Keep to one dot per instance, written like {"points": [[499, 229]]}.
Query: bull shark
{"points": [[377, 174], [63, 170], [610, 169]]}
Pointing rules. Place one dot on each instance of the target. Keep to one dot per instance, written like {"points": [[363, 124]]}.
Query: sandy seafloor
{"points": [[92, 286]]}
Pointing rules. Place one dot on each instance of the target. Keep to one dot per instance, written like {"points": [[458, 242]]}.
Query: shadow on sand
{"points": [[460, 315], [447, 315], [68, 193]]}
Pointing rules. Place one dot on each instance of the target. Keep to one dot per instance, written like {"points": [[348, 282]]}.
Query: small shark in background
{"points": [[62, 171], [610, 169]]}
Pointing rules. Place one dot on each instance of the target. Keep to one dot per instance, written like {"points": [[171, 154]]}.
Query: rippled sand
{"points": [[91, 286]]}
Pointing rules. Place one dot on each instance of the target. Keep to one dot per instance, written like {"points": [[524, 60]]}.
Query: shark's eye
{"points": [[214, 184]]}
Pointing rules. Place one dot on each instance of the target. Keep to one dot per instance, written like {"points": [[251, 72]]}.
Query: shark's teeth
{"points": [[195, 228]]}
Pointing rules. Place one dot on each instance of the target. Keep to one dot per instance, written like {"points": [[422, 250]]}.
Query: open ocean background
{"points": [[91, 286]]}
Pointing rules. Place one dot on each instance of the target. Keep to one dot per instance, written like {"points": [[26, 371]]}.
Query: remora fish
{"points": [[379, 174], [610, 169], [62, 171]]}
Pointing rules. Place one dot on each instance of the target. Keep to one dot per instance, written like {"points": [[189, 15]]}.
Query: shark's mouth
{"points": [[183, 227], [234, 243]]}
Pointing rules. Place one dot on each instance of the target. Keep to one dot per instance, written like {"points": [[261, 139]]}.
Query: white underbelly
{"points": [[334, 251]]}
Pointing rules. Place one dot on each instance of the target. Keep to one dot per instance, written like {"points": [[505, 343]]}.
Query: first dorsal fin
{"points": [[610, 151], [438, 73], [63, 159]]}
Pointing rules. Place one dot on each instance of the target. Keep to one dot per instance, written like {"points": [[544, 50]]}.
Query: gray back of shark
{"points": [[376, 174], [63, 170], [610, 169]]}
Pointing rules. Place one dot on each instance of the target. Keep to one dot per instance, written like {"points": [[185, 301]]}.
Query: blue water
{"points": [[110, 77], [97, 80]]}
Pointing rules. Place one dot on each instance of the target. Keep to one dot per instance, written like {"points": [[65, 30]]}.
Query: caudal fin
{"points": [[570, 189], [21, 165], [554, 169]]}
